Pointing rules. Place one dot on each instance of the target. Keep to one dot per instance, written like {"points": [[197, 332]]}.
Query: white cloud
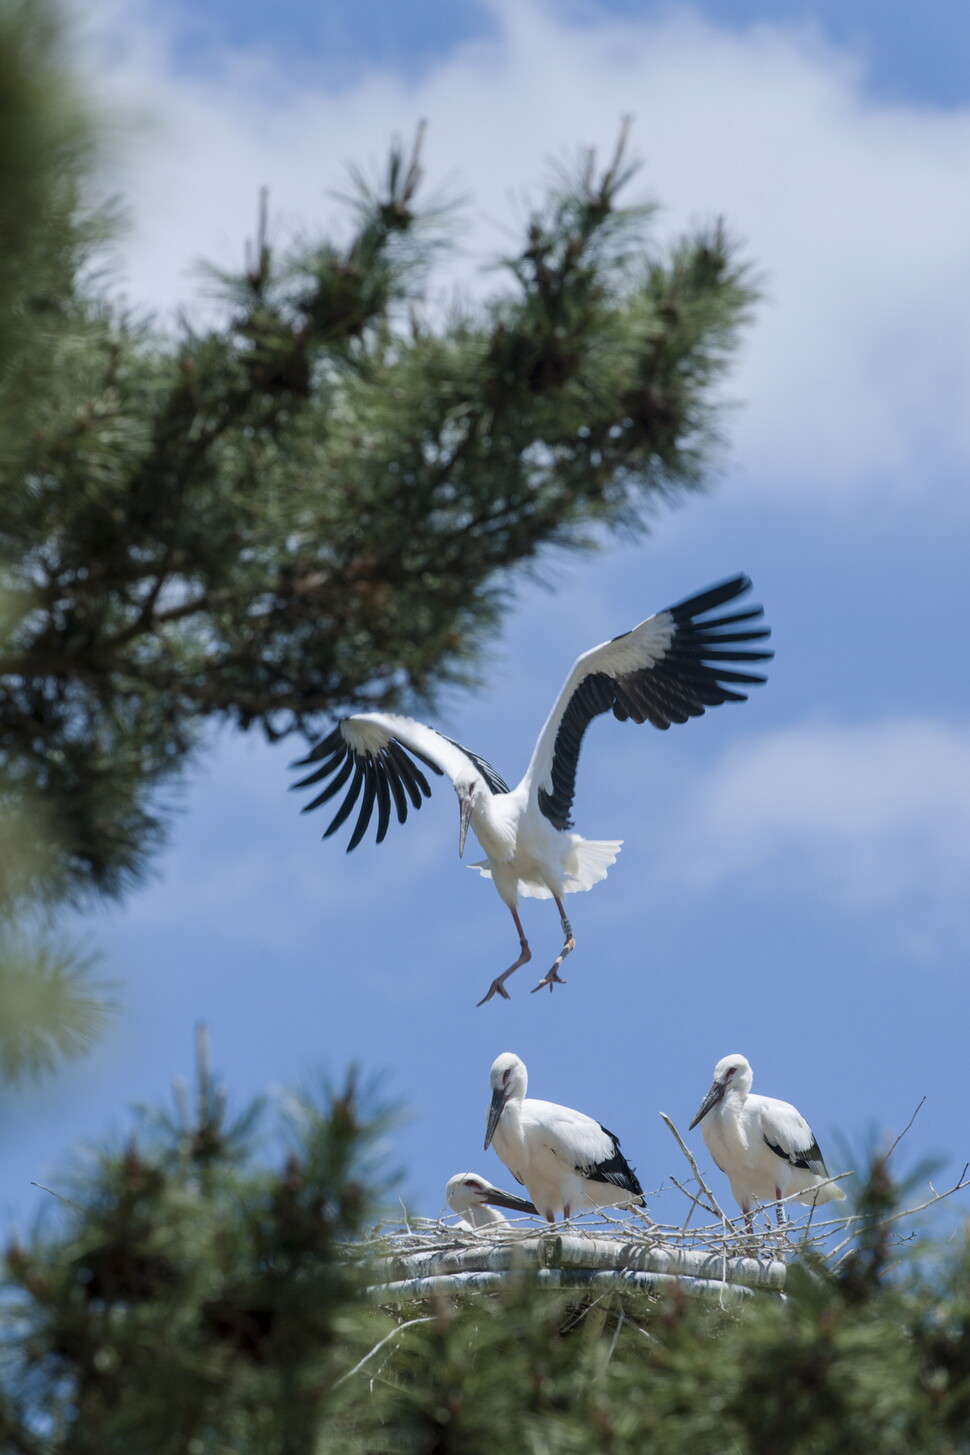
{"points": [[874, 818], [856, 371]]}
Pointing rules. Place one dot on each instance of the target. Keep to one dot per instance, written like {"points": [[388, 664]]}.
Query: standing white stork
{"points": [[668, 669], [477, 1202], [562, 1157], [764, 1146]]}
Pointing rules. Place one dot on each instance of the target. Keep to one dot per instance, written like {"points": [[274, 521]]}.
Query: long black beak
{"points": [[711, 1099], [496, 1109], [465, 812], [497, 1198]]}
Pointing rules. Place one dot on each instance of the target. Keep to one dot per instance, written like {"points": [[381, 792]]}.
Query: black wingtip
{"points": [[381, 778], [332, 743], [714, 596]]}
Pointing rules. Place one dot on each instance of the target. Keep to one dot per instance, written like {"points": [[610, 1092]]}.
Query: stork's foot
{"points": [[497, 986], [552, 978]]}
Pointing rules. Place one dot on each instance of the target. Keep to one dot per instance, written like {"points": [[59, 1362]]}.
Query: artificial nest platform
{"points": [[428, 1258]]}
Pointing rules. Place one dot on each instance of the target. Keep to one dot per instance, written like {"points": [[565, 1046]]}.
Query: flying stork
{"points": [[764, 1146], [670, 668], [563, 1158], [477, 1202]]}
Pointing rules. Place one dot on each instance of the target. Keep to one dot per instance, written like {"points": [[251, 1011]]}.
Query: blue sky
{"points": [[909, 55], [793, 878]]}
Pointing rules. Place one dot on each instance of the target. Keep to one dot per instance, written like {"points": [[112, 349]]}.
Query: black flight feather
{"points": [[383, 797], [353, 793], [809, 1160], [366, 803], [333, 787]]}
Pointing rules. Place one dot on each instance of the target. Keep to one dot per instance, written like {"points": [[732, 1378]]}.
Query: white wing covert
{"points": [[788, 1135], [589, 1148]]}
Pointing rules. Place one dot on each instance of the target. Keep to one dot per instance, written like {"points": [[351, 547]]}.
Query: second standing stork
{"points": [[765, 1146], [670, 668]]}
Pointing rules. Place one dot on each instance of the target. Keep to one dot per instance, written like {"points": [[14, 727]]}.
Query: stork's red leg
{"points": [[498, 984], [553, 977]]}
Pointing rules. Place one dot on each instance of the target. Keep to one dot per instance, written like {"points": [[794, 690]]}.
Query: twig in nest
{"points": [[693, 1167], [695, 1200]]}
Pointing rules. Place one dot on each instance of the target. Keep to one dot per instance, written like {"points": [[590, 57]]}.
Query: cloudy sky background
{"points": [[793, 879]]}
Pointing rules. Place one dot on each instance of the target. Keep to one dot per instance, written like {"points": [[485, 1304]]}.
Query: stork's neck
{"points": [[726, 1125], [518, 1086], [510, 1136], [733, 1100], [480, 1215], [494, 820], [732, 1126]]}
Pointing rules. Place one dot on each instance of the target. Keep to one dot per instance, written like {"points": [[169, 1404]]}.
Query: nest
{"points": [[594, 1252]]}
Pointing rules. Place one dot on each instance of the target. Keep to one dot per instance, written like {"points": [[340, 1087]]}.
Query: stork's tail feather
{"points": [[830, 1193], [589, 862], [586, 863]]}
